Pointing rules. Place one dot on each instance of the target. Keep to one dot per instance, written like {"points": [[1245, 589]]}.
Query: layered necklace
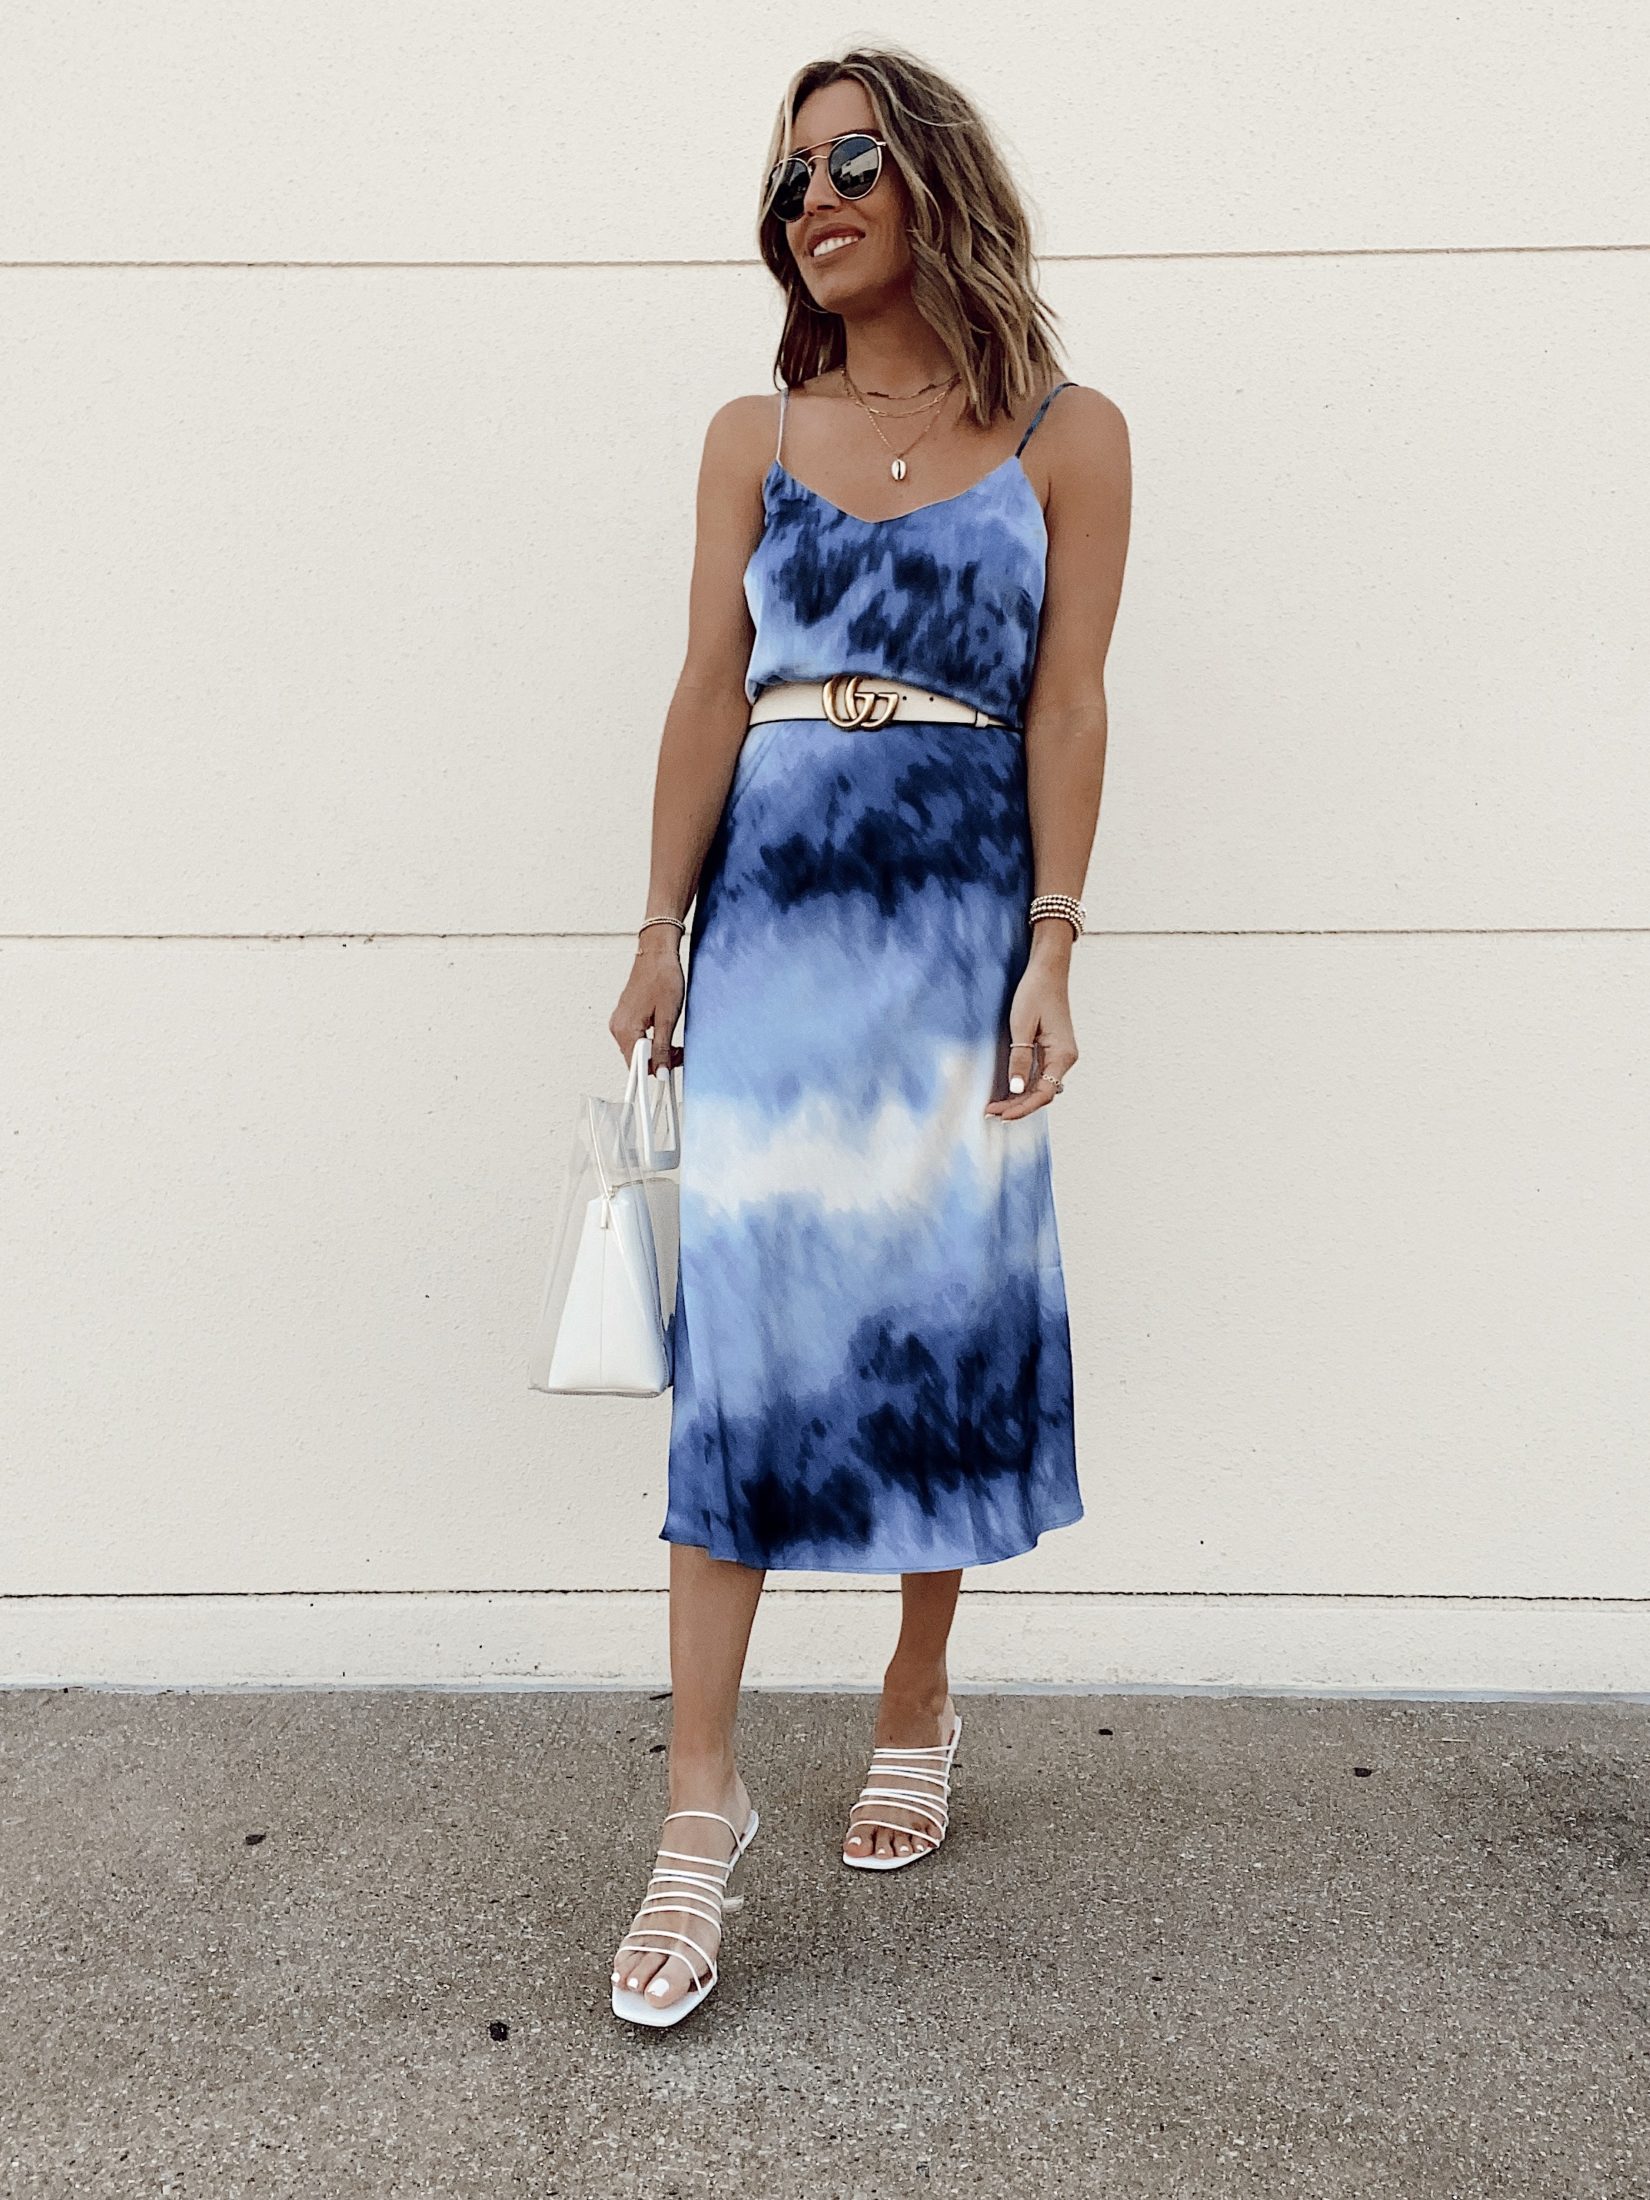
{"points": [[862, 398]]}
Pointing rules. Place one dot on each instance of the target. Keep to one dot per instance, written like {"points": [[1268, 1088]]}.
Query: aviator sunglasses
{"points": [[853, 164]]}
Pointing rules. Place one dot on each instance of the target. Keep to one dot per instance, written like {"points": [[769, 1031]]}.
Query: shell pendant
{"points": [[897, 469]]}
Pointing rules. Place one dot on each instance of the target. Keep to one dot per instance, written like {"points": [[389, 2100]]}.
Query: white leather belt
{"points": [[857, 699]]}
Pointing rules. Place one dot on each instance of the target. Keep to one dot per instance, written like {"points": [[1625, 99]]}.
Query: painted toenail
{"points": [[632, 1984], [658, 1987]]}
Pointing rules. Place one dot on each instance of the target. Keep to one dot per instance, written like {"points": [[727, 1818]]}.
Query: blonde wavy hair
{"points": [[970, 234]]}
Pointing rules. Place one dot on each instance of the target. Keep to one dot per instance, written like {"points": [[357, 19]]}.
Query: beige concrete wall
{"points": [[356, 363]]}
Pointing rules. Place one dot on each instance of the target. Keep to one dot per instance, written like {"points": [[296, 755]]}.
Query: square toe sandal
{"points": [[919, 1781], [693, 1886]]}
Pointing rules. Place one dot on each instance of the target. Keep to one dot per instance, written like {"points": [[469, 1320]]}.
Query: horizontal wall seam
{"points": [[1142, 1596], [1046, 259], [1101, 932]]}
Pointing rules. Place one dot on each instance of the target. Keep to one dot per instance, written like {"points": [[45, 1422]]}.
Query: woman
{"points": [[872, 1361]]}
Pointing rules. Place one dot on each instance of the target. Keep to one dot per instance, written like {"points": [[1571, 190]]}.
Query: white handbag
{"points": [[605, 1319]]}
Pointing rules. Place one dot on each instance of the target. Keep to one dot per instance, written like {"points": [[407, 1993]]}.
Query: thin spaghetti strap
{"points": [[1038, 414], [784, 397]]}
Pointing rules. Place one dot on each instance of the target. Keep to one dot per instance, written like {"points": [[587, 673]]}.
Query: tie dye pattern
{"points": [[872, 1354]]}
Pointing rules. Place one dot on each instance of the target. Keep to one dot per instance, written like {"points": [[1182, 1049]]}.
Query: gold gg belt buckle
{"points": [[850, 700]]}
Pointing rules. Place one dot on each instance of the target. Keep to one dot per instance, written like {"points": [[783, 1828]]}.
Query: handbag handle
{"points": [[654, 1155]]}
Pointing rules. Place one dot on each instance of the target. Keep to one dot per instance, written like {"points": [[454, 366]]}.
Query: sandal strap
{"points": [[921, 1789], [867, 1814], [690, 1886], [715, 1863], [871, 1793], [716, 1814], [641, 1945], [916, 1773], [690, 1900]]}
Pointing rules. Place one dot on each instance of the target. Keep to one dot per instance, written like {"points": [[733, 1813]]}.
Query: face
{"points": [[879, 258]]}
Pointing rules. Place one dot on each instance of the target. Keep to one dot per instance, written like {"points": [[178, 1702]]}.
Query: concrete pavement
{"points": [[358, 1943]]}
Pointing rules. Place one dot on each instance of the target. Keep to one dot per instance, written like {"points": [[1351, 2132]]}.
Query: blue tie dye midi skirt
{"points": [[872, 1353]]}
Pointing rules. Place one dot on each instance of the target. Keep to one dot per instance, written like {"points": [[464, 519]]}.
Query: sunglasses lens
{"points": [[789, 182], [855, 164]]}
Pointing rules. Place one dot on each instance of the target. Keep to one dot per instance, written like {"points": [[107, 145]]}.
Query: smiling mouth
{"points": [[827, 245]]}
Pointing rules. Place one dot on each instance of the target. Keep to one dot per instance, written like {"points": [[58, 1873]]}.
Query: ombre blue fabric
{"points": [[872, 1352]]}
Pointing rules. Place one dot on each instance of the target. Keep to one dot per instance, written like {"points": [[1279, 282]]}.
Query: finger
{"points": [[1038, 1095], [1048, 1060], [1024, 1056], [1022, 1063], [1023, 1035], [664, 1055], [626, 1034], [1052, 1064]]}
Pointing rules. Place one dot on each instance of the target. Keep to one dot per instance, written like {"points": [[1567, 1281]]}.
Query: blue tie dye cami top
{"points": [[949, 596]]}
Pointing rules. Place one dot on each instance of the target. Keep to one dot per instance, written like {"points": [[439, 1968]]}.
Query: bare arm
{"points": [[704, 725], [1065, 734]]}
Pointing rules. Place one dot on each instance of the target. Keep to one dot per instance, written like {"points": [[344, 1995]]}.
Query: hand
{"points": [[1042, 1042], [652, 999]]}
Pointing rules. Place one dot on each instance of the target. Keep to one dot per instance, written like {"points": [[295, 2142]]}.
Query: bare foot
{"points": [[643, 1963], [915, 1714]]}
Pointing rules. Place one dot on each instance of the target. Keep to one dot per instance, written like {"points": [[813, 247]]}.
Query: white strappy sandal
{"points": [[919, 1781], [696, 1886]]}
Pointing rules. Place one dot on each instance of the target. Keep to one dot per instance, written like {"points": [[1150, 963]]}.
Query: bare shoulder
{"points": [[743, 426], [1087, 431], [1086, 463], [738, 447]]}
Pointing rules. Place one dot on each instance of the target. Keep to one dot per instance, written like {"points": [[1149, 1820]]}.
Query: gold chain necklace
{"points": [[861, 397], [950, 382], [897, 466]]}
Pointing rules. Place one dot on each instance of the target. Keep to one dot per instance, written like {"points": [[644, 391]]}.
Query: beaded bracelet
{"points": [[1059, 905], [677, 921]]}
